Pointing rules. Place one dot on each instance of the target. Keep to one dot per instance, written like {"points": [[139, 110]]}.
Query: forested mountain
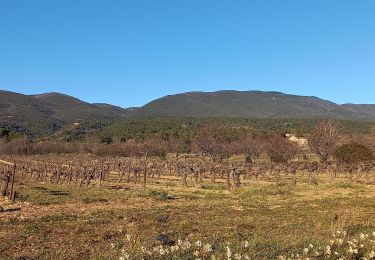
{"points": [[249, 104], [44, 114]]}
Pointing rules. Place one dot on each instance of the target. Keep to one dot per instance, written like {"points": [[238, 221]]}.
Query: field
{"points": [[264, 218]]}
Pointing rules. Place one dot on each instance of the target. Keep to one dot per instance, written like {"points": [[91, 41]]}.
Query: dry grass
{"points": [[60, 222]]}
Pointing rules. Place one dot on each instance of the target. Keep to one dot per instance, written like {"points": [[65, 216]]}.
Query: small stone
{"points": [[165, 240]]}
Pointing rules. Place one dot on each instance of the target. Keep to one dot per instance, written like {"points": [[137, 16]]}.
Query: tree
{"points": [[323, 139], [353, 153], [252, 147], [212, 142], [280, 149]]}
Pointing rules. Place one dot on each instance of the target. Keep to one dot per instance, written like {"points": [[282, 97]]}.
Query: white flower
{"points": [[311, 246], [207, 248], [162, 251], [125, 257], [186, 245], [305, 251], [246, 244], [237, 256], [174, 248], [328, 250], [362, 236], [128, 237], [355, 251], [229, 253]]}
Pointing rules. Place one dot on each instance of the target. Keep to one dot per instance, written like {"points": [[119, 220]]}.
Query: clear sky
{"points": [[128, 52]]}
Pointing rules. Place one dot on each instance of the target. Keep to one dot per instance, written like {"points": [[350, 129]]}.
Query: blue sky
{"points": [[129, 52]]}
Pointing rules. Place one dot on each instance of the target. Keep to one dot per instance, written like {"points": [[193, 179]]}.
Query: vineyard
{"points": [[88, 171], [221, 193], [139, 207]]}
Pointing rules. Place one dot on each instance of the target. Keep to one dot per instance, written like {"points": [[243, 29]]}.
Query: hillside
{"points": [[248, 104], [365, 110], [44, 114], [26, 114], [39, 115], [69, 109], [183, 128], [115, 110]]}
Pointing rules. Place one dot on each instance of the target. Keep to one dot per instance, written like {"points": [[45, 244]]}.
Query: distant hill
{"points": [[250, 104], [363, 110], [44, 114], [116, 110], [69, 109]]}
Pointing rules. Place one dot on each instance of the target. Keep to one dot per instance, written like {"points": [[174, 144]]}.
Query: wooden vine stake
{"points": [[12, 194]]}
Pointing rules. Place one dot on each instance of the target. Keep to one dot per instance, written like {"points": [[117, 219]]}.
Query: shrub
{"points": [[353, 153], [280, 149]]}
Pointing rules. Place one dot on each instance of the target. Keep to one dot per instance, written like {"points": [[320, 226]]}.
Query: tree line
{"points": [[215, 139]]}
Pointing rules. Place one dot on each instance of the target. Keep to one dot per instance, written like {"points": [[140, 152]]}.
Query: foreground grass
{"points": [[59, 222]]}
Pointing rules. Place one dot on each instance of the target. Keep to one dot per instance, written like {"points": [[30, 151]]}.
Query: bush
{"points": [[280, 149], [353, 153]]}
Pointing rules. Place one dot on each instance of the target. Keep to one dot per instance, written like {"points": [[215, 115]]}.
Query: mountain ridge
{"points": [[253, 104], [43, 114]]}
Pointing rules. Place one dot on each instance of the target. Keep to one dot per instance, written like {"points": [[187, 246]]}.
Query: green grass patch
{"points": [[213, 186], [349, 185], [60, 194], [159, 195]]}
